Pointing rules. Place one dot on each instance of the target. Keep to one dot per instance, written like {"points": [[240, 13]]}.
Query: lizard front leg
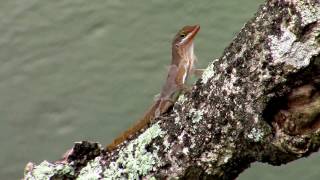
{"points": [[197, 72]]}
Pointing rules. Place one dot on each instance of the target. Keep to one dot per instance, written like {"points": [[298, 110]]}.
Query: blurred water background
{"points": [[86, 70]]}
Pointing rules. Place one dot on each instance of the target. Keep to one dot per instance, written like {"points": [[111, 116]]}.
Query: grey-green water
{"points": [[75, 70]]}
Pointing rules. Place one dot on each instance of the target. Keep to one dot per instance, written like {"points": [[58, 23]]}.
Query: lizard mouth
{"points": [[193, 33], [189, 38]]}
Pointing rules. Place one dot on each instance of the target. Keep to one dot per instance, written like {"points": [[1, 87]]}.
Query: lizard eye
{"points": [[182, 34]]}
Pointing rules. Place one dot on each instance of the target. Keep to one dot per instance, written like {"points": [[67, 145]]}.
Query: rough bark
{"points": [[259, 102]]}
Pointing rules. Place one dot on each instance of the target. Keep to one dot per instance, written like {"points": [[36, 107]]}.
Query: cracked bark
{"points": [[259, 102]]}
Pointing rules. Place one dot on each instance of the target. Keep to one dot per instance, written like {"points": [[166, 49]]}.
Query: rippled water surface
{"points": [[85, 70]]}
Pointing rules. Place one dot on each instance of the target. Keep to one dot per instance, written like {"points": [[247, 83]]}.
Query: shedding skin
{"points": [[182, 65]]}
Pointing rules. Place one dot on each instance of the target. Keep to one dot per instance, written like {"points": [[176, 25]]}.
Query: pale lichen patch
{"points": [[255, 134], [227, 155], [91, 171], [46, 170], [228, 86], [287, 49], [134, 160], [182, 99], [180, 137], [177, 119], [280, 46], [166, 143], [309, 13], [197, 115], [177, 116], [208, 72], [226, 158], [209, 157], [185, 150]]}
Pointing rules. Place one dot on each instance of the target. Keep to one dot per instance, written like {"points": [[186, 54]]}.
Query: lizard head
{"points": [[185, 36]]}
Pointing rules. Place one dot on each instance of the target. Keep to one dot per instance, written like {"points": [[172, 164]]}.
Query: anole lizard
{"points": [[182, 65]]}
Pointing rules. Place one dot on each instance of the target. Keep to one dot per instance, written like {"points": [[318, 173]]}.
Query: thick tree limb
{"points": [[259, 102]]}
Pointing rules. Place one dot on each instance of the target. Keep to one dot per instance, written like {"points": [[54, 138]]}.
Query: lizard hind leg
{"points": [[164, 106]]}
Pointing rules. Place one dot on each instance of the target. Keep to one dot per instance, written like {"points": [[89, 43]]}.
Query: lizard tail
{"points": [[141, 124]]}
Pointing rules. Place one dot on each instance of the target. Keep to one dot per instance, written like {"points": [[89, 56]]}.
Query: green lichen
{"points": [[208, 73], [91, 171], [46, 170], [134, 160], [197, 115]]}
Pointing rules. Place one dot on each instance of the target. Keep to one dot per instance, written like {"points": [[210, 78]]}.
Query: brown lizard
{"points": [[182, 65]]}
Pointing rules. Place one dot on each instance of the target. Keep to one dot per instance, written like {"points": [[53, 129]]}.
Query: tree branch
{"points": [[259, 102]]}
